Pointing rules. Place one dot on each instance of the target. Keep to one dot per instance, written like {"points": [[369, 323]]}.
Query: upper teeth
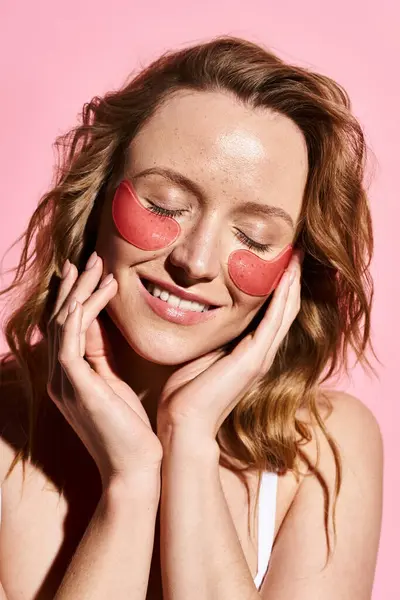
{"points": [[175, 300]]}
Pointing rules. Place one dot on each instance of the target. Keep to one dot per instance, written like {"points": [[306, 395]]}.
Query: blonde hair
{"points": [[264, 431]]}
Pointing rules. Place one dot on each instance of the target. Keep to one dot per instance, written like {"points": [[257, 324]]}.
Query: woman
{"points": [[210, 226]]}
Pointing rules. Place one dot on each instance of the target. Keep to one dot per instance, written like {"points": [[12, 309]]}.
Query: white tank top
{"points": [[266, 523]]}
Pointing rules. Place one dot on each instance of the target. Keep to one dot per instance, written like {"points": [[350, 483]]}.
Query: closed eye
{"points": [[251, 243], [163, 212]]}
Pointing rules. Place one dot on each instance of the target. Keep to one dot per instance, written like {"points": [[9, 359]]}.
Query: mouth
{"points": [[186, 312], [178, 300]]}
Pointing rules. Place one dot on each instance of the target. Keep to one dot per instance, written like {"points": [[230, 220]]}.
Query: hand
{"points": [[103, 410], [198, 397]]}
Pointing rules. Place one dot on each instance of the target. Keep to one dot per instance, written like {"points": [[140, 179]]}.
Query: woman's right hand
{"points": [[103, 410]]}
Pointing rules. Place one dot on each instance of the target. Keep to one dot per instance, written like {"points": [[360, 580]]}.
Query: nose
{"points": [[196, 257]]}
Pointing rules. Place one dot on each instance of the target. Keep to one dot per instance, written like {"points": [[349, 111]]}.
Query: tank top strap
{"points": [[266, 522]]}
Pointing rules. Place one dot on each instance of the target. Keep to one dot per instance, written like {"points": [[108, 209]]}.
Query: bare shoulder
{"points": [[300, 549], [348, 412], [352, 426], [350, 450]]}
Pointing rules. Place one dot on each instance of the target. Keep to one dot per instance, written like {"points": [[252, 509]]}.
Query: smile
{"points": [[173, 300], [170, 307]]}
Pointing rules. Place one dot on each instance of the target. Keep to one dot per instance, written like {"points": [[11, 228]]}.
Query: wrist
{"points": [[144, 485], [183, 441]]}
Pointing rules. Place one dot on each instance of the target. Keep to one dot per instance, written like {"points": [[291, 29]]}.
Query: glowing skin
{"points": [[148, 231], [139, 226], [236, 158], [255, 276]]}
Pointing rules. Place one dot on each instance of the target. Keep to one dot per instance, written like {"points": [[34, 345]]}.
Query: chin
{"points": [[168, 345], [164, 347], [167, 356]]}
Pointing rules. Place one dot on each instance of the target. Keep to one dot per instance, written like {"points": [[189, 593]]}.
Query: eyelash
{"points": [[163, 212], [251, 244]]}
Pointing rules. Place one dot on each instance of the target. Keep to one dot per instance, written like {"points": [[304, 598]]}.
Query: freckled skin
{"points": [[255, 276], [235, 154], [139, 226], [148, 231]]}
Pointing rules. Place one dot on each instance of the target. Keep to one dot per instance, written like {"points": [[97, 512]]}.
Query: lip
{"points": [[172, 313], [180, 292]]}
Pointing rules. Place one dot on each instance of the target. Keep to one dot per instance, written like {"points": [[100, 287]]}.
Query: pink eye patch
{"points": [[149, 231], [139, 226], [255, 276]]}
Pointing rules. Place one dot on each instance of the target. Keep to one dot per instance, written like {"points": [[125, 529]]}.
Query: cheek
{"points": [[255, 276], [138, 226]]}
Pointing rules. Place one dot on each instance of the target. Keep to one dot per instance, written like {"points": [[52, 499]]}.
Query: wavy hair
{"points": [[264, 431]]}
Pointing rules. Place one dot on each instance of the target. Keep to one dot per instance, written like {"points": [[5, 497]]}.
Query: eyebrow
{"points": [[187, 184]]}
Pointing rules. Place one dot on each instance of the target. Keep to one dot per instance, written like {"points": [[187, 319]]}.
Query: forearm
{"points": [[201, 556], [114, 556]]}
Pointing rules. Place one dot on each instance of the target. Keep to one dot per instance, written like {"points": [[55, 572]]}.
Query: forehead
{"points": [[225, 147]]}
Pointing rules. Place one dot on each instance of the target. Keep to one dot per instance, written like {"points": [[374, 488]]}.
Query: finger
{"points": [[291, 311], [65, 286], [81, 379], [251, 353], [79, 287], [250, 356], [272, 321], [247, 357], [224, 379], [97, 301], [64, 289], [70, 285], [82, 289], [190, 371], [82, 387], [268, 335]]}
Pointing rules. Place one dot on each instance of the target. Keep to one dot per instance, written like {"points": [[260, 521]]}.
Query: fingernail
{"points": [[66, 268], [92, 261], [106, 280]]}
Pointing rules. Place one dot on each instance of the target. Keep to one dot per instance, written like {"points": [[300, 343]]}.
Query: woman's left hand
{"points": [[198, 397]]}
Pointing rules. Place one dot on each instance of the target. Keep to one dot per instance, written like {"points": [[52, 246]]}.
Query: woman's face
{"points": [[217, 167]]}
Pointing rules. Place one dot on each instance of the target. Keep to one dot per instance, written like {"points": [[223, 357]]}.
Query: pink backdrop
{"points": [[55, 56]]}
